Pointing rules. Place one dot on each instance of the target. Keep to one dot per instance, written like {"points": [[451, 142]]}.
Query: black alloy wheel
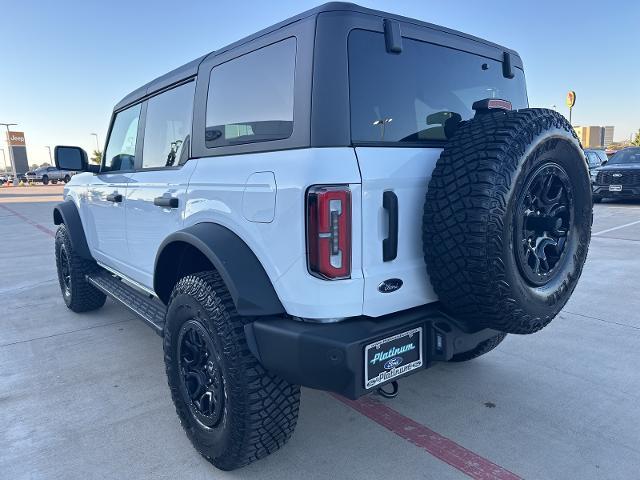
{"points": [[65, 271], [202, 382], [543, 223]]}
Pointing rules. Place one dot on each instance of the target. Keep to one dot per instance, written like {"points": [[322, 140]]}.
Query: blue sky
{"points": [[65, 64]]}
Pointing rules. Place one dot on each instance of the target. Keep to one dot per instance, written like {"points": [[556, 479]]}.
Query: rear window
{"points": [[421, 94], [251, 97]]}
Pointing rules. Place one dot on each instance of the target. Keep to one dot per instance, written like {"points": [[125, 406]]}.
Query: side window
{"points": [[168, 127], [121, 149], [592, 158], [251, 97]]}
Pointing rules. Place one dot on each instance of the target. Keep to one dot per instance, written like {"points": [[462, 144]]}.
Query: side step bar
{"points": [[149, 309]]}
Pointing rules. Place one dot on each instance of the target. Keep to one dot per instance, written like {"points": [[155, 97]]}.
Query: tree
{"points": [[636, 140], [45, 164], [96, 157], [33, 166]]}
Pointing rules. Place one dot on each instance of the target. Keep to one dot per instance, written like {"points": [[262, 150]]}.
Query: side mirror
{"points": [[71, 158]]}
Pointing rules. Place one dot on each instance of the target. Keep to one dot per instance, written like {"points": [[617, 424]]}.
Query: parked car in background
{"points": [[48, 174], [620, 177], [595, 159]]}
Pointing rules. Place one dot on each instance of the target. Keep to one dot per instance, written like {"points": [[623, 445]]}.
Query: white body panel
{"points": [[406, 172], [224, 190], [265, 207], [147, 225], [104, 221]]}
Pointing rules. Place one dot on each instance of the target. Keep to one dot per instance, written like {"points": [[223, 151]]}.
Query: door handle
{"points": [[114, 197], [390, 244], [167, 202]]}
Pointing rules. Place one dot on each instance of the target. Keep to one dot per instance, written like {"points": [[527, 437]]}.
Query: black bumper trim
{"points": [[627, 191], [330, 356]]}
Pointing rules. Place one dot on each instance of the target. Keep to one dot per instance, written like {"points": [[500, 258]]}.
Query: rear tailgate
{"points": [[407, 176], [404, 106]]}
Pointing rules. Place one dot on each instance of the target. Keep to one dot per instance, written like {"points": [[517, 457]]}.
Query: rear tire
{"points": [[67, 178], [78, 294], [507, 219], [232, 409], [481, 349]]}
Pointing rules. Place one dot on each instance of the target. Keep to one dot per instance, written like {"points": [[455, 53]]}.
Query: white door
{"points": [[156, 192], [107, 191]]}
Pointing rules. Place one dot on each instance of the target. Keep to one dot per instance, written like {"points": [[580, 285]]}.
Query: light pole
{"points": [[97, 142], [50, 157], [4, 161], [13, 165]]}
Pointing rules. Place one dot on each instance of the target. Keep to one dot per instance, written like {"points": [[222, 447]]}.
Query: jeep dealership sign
{"points": [[18, 147]]}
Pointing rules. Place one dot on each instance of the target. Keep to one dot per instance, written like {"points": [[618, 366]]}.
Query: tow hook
{"points": [[386, 394]]}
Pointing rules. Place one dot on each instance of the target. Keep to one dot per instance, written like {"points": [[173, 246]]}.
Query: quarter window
{"points": [[121, 149], [251, 97], [168, 127]]}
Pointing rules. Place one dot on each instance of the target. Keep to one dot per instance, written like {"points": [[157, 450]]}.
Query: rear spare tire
{"points": [[507, 219]]}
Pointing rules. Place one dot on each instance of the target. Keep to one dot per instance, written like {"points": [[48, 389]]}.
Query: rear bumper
{"points": [[332, 356], [627, 191]]}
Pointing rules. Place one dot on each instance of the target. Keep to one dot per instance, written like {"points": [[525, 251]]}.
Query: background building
{"points": [[594, 136], [607, 136]]}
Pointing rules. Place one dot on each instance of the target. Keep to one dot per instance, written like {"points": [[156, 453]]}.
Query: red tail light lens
{"points": [[329, 231]]}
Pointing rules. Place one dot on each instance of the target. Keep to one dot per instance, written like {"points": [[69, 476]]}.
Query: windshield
{"points": [[628, 155], [420, 95]]}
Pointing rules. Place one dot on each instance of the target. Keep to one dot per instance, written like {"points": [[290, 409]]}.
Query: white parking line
{"points": [[615, 228]]}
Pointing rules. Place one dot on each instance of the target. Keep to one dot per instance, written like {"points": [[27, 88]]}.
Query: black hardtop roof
{"points": [[190, 69]]}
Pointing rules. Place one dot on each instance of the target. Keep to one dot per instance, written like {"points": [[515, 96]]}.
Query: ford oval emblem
{"points": [[393, 363], [390, 285]]}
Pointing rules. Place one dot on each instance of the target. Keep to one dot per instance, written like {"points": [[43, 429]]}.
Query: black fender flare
{"points": [[248, 283], [67, 213]]}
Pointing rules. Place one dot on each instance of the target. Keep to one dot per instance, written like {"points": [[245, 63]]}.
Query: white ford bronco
{"points": [[334, 202]]}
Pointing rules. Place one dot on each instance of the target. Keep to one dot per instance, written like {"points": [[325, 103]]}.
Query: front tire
{"points": [[232, 409], [78, 294], [45, 180]]}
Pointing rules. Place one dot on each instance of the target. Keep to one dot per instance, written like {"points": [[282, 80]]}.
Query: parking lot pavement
{"points": [[84, 396]]}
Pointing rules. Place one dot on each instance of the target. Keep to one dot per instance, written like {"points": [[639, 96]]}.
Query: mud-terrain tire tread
{"points": [[481, 349], [262, 407], [84, 296], [464, 213]]}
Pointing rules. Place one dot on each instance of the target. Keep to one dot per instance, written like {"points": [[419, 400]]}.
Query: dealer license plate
{"points": [[392, 357], [615, 188]]}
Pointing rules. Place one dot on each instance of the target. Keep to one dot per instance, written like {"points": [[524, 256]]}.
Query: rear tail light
{"points": [[329, 231]]}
